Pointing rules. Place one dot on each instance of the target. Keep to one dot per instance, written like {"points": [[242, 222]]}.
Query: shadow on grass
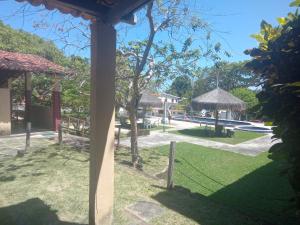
{"points": [[200, 132], [31, 212], [262, 195]]}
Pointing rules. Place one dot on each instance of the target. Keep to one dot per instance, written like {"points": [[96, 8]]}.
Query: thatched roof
{"points": [[218, 99], [150, 99]]}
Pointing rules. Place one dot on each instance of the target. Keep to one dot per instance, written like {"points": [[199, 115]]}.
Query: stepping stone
{"points": [[145, 210]]}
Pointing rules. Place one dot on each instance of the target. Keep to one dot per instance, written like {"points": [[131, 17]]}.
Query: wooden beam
{"points": [[124, 10], [103, 58]]}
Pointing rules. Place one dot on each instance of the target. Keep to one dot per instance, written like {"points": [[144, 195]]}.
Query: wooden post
{"points": [[171, 165], [69, 124], [60, 138], [103, 58], [28, 93], [28, 131]]}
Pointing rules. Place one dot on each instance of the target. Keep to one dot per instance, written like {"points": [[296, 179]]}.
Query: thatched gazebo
{"points": [[149, 99], [216, 100]]}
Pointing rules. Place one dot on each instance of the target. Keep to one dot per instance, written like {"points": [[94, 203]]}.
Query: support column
{"points": [[5, 109], [28, 94], [103, 58], [56, 104]]}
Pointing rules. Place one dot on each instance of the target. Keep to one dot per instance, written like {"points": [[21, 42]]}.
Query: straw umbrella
{"points": [[149, 99], [216, 100]]}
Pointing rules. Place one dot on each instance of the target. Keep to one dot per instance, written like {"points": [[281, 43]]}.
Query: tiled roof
{"points": [[110, 11], [19, 62]]}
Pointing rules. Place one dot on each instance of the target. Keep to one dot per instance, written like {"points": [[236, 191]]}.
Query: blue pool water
{"points": [[254, 129], [236, 124], [211, 121]]}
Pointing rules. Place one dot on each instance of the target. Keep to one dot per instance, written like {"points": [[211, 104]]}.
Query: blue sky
{"points": [[233, 21]]}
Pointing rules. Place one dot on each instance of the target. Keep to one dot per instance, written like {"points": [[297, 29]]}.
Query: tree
{"points": [[229, 76], [276, 61], [76, 89], [75, 93], [181, 87], [151, 59], [248, 96]]}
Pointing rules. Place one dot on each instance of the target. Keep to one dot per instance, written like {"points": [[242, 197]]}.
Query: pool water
{"points": [[236, 124], [254, 129]]}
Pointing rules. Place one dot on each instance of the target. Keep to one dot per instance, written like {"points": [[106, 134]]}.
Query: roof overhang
{"points": [[109, 11], [14, 64]]}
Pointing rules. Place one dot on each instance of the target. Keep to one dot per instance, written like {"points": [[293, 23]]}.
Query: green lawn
{"points": [[50, 186], [160, 127], [201, 132], [252, 185]]}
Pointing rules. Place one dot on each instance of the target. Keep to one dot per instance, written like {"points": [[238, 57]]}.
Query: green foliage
{"points": [[231, 75], [76, 89], [246, 95], [24, 42], [181, 87], [277, 62]]}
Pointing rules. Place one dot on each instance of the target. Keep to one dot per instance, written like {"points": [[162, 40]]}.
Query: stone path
{"points": [[251, 148]]}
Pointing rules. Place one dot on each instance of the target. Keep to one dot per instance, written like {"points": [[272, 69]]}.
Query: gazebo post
{"points": [[103, 57], [56, 104], [28, 94]]}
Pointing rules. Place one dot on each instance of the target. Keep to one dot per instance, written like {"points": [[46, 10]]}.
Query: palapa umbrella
{"points": [[216, 100], [149, 99]]}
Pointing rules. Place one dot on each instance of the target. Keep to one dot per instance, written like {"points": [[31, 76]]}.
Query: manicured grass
{"points": [[207, 133], [160, 127], [50, 186], [252, 185]]}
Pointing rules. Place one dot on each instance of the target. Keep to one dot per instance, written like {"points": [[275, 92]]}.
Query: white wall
{"points": [[5, 119]]}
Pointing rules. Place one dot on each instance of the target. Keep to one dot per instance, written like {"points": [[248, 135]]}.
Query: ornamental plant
{"points": [[277, 60]]}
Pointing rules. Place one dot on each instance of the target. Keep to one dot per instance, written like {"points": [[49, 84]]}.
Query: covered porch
{"points": [[104, 15], [14, 118]]}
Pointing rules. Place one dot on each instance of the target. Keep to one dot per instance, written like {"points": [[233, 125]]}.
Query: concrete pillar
{"points": [[103, 50], [56, 104], [5, 112]]}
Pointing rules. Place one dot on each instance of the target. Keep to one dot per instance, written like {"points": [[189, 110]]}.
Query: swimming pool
{"points": [[236, 124], [211, 121], [254, 129]]}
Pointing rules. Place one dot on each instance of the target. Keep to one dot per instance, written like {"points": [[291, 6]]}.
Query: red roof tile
{"points": [[19, 62]]}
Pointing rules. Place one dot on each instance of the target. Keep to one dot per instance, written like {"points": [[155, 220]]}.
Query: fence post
{"points": [[171, 165], [60, 134], [69, 124], [28, 131]]}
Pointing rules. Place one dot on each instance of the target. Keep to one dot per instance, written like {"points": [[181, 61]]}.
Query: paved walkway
{"points": [[251, 148]]}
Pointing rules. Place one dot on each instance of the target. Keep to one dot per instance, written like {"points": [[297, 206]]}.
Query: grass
{"points": [[160, 127], [252, 185], [201, 132], [50, 186]]}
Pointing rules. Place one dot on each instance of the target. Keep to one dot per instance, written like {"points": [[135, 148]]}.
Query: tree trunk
{"points": [[134, 134]]}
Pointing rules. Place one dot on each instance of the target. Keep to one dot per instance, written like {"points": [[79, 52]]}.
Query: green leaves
{"points": [[282, 20], [295, 3], [276, 61]]}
